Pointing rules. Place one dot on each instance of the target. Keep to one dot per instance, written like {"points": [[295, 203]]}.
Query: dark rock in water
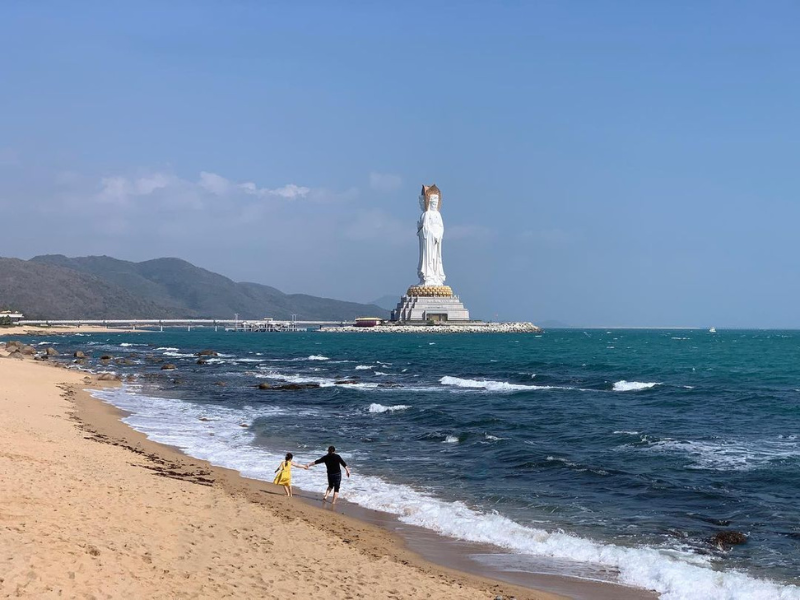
{"points": [[106, 357], [203, 419], [80, 361], [220, 383], [108, 377], [167, 367], [206, 353], [389, 384], [297, 386], [178, 381], [51, 351], [79, 354], [287, 386], [200, 361], [13, 344], [725, 539], [133, 355], [346, 382], [123, 362], [28, 350], [130, 378]]}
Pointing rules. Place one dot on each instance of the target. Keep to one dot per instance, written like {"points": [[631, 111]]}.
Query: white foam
{"points": [[380, 408], [633, 386], [674, 574], [172, 354], [128, 344], [169, 348], [322, 381], [727, 455], [364, 367], [451, 439], [491, 386], [317, 357]]}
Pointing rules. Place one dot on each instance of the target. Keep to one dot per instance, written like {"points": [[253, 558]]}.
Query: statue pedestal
{"points": [[422, 309]]}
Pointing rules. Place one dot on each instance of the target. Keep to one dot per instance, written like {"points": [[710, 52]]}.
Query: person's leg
{"points": [[337, 481], [286, 490], [331, 484], [289, 487]]}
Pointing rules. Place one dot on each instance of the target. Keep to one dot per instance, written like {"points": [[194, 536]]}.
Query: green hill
{"points": [[55, 286]]}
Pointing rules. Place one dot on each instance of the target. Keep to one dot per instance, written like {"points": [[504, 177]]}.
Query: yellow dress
{"points": [[284, 476]]}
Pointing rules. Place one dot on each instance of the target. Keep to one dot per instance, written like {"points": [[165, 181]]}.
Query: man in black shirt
{"points": [[333, 462]]}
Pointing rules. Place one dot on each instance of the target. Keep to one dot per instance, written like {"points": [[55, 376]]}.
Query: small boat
{"points": [[712, 330]]}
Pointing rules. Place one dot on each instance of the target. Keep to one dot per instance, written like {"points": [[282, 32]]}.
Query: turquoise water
{"points": [[623, 451]]}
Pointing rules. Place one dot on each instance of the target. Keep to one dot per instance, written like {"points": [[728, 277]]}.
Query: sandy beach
{"points": [[91, 508]]}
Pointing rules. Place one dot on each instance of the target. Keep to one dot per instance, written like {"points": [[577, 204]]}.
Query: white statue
{"points": [[430, 230]]}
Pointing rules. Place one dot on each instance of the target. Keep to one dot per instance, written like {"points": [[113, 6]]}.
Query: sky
{"points": [[601, 163]]}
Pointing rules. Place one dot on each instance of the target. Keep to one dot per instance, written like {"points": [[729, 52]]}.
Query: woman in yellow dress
{"points": [[284, 474]]}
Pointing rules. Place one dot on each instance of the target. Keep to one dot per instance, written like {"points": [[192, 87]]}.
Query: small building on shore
{"points": [[9, 317], [368, 322]]}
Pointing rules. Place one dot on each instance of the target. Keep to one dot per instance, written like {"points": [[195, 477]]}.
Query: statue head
{"points": [[430, 198]]}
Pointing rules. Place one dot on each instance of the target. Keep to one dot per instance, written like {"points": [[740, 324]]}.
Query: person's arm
{"points": [[344, 464], [280, 467], [316, 462]]}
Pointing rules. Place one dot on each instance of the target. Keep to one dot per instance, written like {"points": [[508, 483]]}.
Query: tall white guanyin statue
{"points": [[430, 230]]}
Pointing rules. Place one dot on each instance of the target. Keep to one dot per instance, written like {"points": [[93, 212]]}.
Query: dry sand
{"points": [[91, 509]]}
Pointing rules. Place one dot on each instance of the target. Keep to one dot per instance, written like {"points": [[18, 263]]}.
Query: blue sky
{"points": [[601, 163]]}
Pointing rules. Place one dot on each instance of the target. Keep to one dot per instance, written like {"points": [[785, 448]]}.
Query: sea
{"points": [[611, 455]]}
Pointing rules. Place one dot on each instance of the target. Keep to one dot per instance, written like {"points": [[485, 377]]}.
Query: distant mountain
{"points": [[387, 302], [553, 324], [55, 286], [46, 291]]}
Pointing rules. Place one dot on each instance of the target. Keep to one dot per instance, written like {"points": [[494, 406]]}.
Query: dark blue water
{"points": [[624, 449]]}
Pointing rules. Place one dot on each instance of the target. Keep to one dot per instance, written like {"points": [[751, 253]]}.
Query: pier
{"points": [[264, 325]]}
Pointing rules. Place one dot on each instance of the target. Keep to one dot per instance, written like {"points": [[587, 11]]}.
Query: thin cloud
{"points": [[220, 186], [384, 182]]}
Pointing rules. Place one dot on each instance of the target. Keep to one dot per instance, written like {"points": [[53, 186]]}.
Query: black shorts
{"points": [[335, 481]]}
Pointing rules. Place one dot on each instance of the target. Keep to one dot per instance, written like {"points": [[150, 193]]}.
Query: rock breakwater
{"points": [[520, 327]]}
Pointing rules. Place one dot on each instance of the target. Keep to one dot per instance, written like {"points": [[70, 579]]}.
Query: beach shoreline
{"points": [[19, 330], [377, 538]]}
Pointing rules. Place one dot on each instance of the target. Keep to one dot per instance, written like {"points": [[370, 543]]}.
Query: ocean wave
{"points": [[169, 349], [451, 439], [317, 357], [674, 574], [492, 386], [364, 367], [633, 386], [172, 354], [380, 408], [129, 344], [730, 455]]}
